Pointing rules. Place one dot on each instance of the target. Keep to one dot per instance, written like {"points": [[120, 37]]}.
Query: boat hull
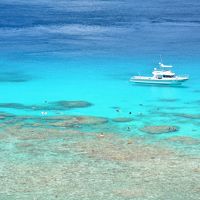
{"points": [[158, 81]]}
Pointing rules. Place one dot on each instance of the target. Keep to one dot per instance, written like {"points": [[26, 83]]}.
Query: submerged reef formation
{"points": [[159, 129], [48, 157], [190, 116], [122, 119], [52, 121], [15, 76], [74, 121], [62, 105], [185, 140], [168, 100], [57, 105]]}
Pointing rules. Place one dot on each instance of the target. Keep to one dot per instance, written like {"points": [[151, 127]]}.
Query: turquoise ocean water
{"points": [[87, 51], [105, 83], [72, 50]]}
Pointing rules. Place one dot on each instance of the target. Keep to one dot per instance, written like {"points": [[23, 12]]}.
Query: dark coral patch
{"points": [[5, 115], [58, 105], [168, 100], [62, 105], [14, 77], [91, 120], [159, 129], [71, 121], [189, 116], [122, 119], [13, 105]]}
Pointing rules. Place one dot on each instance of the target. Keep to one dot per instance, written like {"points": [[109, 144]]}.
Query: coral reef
{"points": [[46, 158], [159, 129], [190, 116], [122, 119], [57, 105]]}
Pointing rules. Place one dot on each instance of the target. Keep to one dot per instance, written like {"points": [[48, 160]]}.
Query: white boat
{"points": [[162, 75]]}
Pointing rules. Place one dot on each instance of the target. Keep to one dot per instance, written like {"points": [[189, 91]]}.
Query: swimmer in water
{"points": [[101, 135], [44, 113]]}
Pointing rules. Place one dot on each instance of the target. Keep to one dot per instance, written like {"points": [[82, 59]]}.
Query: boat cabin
{"points": [[163, 72]]}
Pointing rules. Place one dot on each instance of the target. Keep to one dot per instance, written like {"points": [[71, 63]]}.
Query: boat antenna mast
{"points": [[161, 61]]}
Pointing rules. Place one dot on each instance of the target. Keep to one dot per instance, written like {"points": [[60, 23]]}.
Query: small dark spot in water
{"points": [[128, 128]]}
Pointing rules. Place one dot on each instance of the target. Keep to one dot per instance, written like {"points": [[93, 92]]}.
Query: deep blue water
{"points": [[88, 50], [126, 28]]}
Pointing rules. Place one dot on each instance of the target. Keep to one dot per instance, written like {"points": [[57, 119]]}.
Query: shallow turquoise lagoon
{"points": [[104, 82]]}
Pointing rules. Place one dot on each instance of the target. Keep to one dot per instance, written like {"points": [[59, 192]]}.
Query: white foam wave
{"points": [[72, 29]]}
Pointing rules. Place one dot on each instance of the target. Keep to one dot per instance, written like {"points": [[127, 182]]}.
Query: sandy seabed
{"points": [[71, 158]]}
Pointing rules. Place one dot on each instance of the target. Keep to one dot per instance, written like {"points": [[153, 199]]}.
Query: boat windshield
{"points": [[168, 76]]}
